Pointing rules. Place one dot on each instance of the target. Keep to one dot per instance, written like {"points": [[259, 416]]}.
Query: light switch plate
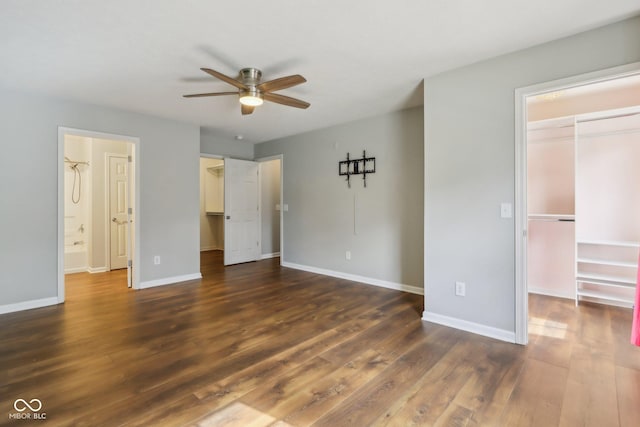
{"points": [[506, 210]]}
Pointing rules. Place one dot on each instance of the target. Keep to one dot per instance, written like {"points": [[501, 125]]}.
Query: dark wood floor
{"points": [[260, 345]]}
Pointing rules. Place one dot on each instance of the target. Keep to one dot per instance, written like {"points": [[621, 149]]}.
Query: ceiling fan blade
{"points": [[246, 109], [196, 95], [281, 83], [285, 100], [225, 78]]}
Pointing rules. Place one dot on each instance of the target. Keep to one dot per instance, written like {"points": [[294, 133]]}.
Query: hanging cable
{"points": [[78, 177]]}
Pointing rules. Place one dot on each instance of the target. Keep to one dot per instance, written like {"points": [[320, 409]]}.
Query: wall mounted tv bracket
{"points": [[362, 166]]}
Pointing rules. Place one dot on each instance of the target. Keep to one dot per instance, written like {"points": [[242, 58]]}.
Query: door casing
{"points": [[62, 131]]}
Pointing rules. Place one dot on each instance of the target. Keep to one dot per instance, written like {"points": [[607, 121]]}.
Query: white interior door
{"points": [[118, 212], [241, 212]]}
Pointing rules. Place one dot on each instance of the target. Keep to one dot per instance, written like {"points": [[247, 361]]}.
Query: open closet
{"points": [[211, 204], [583, 193]]}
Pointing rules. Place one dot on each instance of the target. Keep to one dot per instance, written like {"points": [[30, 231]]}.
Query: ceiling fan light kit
{"points": [[252, 93], [252, 98]]}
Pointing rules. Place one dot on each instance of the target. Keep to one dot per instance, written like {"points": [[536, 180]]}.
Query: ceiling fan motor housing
{"points": [[250, 76]]}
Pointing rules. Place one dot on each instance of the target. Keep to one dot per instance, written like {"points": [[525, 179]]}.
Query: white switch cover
{"points": [[506, 210], [285, 207]]}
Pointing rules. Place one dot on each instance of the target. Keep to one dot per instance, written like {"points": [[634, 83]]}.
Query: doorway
{"points": [[97, 199], [524, 96], [271, 207], [212, 205], [266, 194]]}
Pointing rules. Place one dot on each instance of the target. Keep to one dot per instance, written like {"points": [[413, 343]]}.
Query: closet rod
{"points": [[615, 116], [552, 219]]}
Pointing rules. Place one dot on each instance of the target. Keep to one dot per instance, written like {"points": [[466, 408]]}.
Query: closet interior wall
{"points": [[551, 207], [211, 204]]}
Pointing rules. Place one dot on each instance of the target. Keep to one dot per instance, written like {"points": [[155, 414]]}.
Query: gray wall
{"points": [[469, 167], [211, 144], [319, 226], [168, 213], [270, 197]]}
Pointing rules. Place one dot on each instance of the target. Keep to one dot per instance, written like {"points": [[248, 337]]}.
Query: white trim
{"points": [[76, 270], [94, 270], [551, 293], [521, 94], [475, 328], [28, 305], [62, 131], [271, 255], [169, 280], [356, 278], [211, 156]]}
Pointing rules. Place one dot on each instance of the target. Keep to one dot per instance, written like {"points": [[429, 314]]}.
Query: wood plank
{"points": [[369, 402], [590, 397], [537, 397], [628, 394]]}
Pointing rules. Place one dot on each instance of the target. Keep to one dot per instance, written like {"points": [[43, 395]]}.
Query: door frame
{"points": [[266, 159], [520, 141], [62, 132]]}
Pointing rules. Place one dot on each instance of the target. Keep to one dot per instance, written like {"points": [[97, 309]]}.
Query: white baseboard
{"points": [[28, 305], [271, 255], [551, 293], [169, 280], [476, 328], [75, 270], [93, 270], [353, 277]]}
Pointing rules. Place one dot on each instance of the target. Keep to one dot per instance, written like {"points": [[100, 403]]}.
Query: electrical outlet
{"points": [[156, 260], [347, 255], [461, 289]]}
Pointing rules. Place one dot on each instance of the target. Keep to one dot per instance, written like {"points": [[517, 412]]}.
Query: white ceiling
{"points": [[361, 58]]}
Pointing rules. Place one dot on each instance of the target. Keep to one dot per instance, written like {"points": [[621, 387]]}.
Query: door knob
{"points": [[228, 216], [114, 219]]}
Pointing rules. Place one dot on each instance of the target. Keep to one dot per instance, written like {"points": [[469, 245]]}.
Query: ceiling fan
{"points": [[253, 92]]}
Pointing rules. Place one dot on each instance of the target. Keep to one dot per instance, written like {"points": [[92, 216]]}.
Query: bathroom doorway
{"points": [[96, 203]]}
